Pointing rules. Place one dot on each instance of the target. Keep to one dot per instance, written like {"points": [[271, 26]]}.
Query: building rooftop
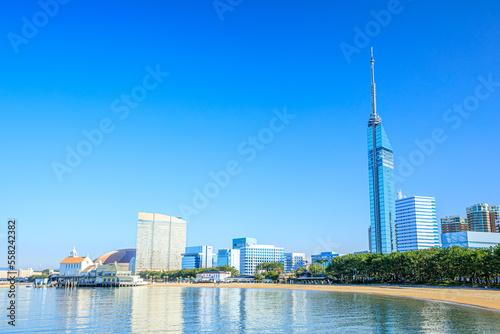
{"points": [[261, 246], [88, 268], [119, 256], [73, 259], [149, 217]]}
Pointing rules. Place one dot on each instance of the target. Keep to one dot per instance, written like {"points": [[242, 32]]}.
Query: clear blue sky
{"points": [[307, 190]]}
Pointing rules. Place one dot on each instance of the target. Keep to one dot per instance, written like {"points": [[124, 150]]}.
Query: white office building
{"points": [[212, 276], [294, 261], [416, 223], [252, 255]]}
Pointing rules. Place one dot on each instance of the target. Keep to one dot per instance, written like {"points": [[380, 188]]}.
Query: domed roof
{"points": [[118, 256]]}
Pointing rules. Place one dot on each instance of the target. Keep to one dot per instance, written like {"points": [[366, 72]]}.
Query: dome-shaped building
{"points": [[121, 256]]}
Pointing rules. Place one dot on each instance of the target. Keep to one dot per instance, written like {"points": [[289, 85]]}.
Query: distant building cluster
{"points": [[244, 256], [481, 228], [453, 224], [161, 246], [481, 217], [19, 274]]}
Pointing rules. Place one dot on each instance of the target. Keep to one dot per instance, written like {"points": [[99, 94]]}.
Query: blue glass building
{"points": [[199, 257], [470, 239], [381, 177], [328, 256], [229, 257], [243, 242]]}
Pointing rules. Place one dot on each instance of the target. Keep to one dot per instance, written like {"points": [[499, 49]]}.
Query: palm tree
{"points": [[322, 262]]}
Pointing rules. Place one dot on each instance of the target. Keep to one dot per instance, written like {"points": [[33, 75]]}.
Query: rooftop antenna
{"points": [[400, 194], [374, 94]]}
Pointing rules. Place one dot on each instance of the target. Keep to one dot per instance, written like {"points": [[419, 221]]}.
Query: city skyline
{"points": [[208, 92]]}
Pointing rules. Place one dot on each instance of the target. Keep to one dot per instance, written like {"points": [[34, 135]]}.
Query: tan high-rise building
{"points": [[483, 217], [454, 224], [161, 240]]}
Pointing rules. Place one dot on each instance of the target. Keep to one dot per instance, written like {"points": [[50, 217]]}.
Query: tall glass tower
{"points": [[383, 237]]}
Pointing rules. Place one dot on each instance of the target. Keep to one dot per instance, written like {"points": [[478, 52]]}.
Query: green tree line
{"points": [[453, 265], [184, 273], [271, 270]]}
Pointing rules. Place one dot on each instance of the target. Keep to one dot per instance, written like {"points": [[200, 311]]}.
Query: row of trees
{"points": [[180, 274], [270, 270], [458, 265]]}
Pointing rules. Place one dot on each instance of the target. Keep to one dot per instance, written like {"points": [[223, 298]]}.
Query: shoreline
{"points": [[487, 298]]}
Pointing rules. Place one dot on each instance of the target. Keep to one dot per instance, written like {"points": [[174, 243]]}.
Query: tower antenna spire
{"points": [[374, 93]]}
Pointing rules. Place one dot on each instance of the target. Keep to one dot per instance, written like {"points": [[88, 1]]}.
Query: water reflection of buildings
{"points": [[240, 310], [438, 317], [229, 307], [300, 307], [219, 309], [231, 310], [76, 306], [156, 310], [137, 310], [196, 303], [433, 318]]}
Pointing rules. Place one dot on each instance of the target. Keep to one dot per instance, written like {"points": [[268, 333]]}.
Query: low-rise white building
{"points": [[241, 278], [73, 265], [209, 276], [470, 239]]}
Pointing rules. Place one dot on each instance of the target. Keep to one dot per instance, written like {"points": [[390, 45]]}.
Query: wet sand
{"points": [[486, 298]]}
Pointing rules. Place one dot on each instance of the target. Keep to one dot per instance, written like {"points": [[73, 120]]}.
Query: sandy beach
{"points": [[486, 298]]}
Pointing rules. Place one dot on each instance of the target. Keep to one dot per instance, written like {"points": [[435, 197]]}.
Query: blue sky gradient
{"points": [[307, 189]]}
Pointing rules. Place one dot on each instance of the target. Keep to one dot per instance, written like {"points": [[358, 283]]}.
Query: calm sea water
{"points": [[230, 310]]}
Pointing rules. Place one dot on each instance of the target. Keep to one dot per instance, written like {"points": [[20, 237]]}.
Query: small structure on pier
{"points": [[73, 265]]}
